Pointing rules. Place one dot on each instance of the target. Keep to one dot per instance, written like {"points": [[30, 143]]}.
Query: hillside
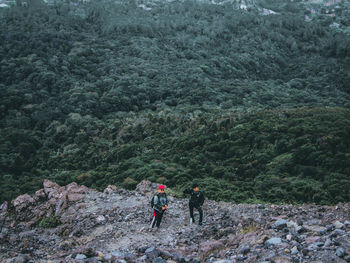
{"points": [[106, 92], [75, 224]]}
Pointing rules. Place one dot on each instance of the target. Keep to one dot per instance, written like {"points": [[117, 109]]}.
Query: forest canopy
{"points": [[106, 92]]}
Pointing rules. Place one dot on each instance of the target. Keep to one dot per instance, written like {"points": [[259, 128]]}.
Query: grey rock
{"points": [[300, 229], [270, 254], [347, 223], [165, 254], [80, 256], [117, 255], [142, 259], [280, 224], [319, 244], [151, 253], [273, 241], [159, 260], [244, 250], [300, 222], [129, 257], [340, 252], [338, 225], [337, 232], [312, 247], [19, 259], [92, 260], [327, 243], [241, 258], [294, 251], [330, 227]]}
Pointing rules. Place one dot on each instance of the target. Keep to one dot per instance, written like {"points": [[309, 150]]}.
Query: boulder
{"points": [[151, 253], [273, 241], [280, 224], [338, 225], [209, 246], [40, 195], [51, 189], [22, 202], [73, 197], [146, 186], [75, 188], [110, 189]]}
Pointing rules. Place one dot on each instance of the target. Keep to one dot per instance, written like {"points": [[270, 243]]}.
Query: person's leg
{"points": [[200, 210], [160, 216], [153, 219], [191, 212], [156, 218]]}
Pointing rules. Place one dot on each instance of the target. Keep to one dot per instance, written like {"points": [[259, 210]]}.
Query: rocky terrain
{"points": [[75, 224]]}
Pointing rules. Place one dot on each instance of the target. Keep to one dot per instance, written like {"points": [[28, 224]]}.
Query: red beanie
{"points": [[161, 187]]}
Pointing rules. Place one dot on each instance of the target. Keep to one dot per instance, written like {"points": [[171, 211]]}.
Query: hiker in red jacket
{"points": [[159, 204]]}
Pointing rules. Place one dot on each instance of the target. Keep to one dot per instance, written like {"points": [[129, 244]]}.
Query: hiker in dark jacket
{"points": [[159, 204], [196, 201]]}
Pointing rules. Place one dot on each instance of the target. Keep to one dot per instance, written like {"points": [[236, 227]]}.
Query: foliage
{"points": [[48, 222], [255, 107]]}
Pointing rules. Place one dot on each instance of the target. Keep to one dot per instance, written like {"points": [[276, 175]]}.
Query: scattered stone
{"points": [[159, 260], [117, 220], [80, 256], [294, 251], [100, 219], [273, 241], [347, 223], [338, 225], [22, 202], [280, 224], [151, 253], [328, 243], [110, 189], [244, 250], [337, 232], [281, 259], [340, 252]]}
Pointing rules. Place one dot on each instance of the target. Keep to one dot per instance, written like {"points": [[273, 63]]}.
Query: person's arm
{"points": [[201, 200], [166, 204], [187, 191]]}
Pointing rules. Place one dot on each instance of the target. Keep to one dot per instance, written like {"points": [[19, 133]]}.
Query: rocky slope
{"points": [[113, 227]]}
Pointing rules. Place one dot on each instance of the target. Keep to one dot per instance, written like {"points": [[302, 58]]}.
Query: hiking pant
{"points": [[157, 218], [200, 210]]}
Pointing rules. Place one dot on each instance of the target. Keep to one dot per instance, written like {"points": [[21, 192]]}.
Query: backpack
{"points": [[152, 201]]}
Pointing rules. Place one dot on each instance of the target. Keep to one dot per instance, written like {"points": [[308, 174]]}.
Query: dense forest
{"points": [[254, 107]]}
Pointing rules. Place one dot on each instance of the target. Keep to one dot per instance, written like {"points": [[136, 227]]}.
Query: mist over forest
{"points": [[251, 99]]}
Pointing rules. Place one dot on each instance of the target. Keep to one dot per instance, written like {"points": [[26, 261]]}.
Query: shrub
{"points": [[48, 222]]}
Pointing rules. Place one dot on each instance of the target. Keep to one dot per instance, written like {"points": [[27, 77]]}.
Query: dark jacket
{"points": [[160, 200], [197, 198]]}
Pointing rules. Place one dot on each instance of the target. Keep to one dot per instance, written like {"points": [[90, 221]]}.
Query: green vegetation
{"points": [[254, 107], [48, 222]]}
